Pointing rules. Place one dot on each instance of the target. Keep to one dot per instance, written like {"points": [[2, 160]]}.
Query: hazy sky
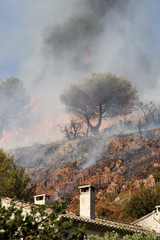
{"points": [[49, 44]]}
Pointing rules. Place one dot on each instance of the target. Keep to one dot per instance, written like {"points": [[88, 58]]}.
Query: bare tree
{"points": [[76, 128], [151, 112], [140, 127], [99, 96]]}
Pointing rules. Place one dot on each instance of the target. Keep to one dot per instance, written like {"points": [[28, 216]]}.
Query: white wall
{"points": [[151, 222]]}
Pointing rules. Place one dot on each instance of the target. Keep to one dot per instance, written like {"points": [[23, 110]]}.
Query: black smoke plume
{"points": [[75, 39]]}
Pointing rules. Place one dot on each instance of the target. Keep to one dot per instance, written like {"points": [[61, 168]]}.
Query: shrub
{"points": [[116, 236], [143, 202]]}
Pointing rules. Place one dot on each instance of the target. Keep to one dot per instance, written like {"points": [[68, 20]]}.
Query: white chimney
{"points": [[42, 199], [157, 212], [87, 201]]}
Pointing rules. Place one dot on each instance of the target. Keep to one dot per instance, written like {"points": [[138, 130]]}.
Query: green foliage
{"points": [[37, 224], [111, 196], [79, 233], [104, 212], [100, 96], [14, 181], [143, 202], [156, 176], [116, 236]]}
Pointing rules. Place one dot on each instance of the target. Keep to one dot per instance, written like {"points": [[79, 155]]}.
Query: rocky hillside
{"points": [[116, 166]]}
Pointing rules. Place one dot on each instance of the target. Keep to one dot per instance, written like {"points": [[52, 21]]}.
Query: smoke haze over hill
{"points": [[50, 44]]}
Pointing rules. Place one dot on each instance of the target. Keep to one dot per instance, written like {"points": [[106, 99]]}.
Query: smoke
{"points": [[118, 35], [63, 41], [76, 37], [96, 152]]}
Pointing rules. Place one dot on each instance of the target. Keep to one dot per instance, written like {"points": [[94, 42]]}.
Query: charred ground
{"points": [[117, 166]]}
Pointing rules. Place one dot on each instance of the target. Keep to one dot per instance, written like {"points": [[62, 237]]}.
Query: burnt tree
{"points": [[98, 97]]}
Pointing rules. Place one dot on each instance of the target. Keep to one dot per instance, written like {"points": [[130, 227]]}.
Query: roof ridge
{"points": [[106, 223], [145, 216]]}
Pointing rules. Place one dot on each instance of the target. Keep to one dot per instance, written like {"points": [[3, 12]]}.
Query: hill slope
{"points": [[114, 165]]}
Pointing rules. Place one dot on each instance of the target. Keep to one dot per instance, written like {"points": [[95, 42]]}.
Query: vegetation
{"points": [[13, 98], [151, 112], [156, 175], [37, 224], [76, 128], [148, 115], [100, 96], [143, 202], [14, 181], [40, 223], [115, 236]]}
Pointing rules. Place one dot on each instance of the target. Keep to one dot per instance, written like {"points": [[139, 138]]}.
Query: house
{"points": [[93, 225], [6, 202], [150, 221]]}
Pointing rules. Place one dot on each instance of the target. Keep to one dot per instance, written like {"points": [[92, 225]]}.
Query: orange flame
{"points": [[6, 136], [47, 125], [89, 58], [28, 136], [32, 104]]}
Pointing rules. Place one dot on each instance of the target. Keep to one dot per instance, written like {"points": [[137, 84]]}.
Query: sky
{"points": [[47, 44]]}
